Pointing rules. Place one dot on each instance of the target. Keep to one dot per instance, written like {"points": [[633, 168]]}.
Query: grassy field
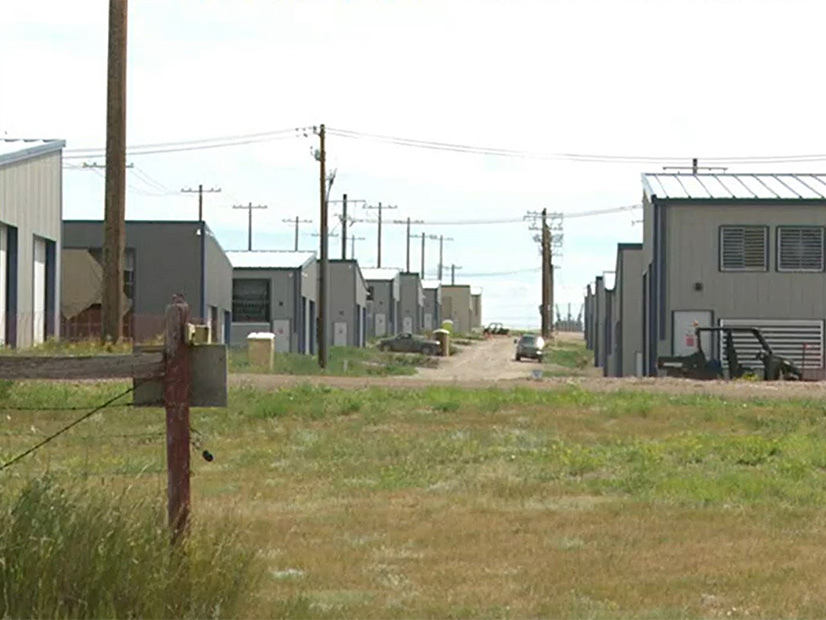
{"points": [[567, 357], [445, 502]]}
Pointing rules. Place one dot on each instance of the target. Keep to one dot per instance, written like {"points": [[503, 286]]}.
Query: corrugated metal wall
{"points": [[31, 200]]}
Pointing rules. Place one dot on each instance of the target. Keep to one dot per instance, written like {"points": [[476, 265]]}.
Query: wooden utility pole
{"points": [[201, 190], [453, 269], [545, 268], [249, 207], [345, 221], [407, 269], [344, 228], [442, 240], [114, 235], [202, 241], [353, 239], [323, 273], [379, 207], [422, 274], [296, 221]]}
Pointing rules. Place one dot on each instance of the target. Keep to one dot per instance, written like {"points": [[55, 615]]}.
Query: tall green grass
{"points": [[568, 354], [81, 554], [350, 361]]}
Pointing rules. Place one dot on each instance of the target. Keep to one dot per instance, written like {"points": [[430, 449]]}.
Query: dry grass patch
{"points": [[444, 502]]}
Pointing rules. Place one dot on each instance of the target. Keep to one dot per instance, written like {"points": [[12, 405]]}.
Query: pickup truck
{"points": [[408, 343]]}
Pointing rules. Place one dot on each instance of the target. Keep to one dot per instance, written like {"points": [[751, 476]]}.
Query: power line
{"points": [[266, 136], [135, 151], [582, 157], [261, 136], [46, 440]]}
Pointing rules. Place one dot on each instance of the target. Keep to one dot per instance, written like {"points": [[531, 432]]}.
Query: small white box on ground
{"points": [[261, 349]]}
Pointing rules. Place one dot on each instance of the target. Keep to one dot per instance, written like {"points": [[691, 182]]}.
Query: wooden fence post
{"points": [[176, 400]]}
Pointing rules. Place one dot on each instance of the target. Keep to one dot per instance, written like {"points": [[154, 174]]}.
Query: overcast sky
{"points": [[614, 77]]}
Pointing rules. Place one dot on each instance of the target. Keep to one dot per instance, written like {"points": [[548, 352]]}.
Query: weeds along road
{"points": [[490, 363]]}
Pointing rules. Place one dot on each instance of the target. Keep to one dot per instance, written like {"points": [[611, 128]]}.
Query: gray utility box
{"points": [[208, 378]]}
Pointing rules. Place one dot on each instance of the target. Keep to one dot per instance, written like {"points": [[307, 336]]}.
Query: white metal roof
{"points": [[475, 290], [430, 284], [14, 150], [268, 259], [379, 274], [739, 186]]}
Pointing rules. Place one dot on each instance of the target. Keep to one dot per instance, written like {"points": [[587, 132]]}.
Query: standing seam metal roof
{"points": [[268, 259], [15, 150], [379, 273], [735, 186]]}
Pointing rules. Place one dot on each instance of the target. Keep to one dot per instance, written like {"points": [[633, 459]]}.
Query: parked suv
{"points": [[530, 346]]}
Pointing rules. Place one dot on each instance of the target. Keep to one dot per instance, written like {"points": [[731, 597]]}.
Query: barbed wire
{"points": [[64, 429]]}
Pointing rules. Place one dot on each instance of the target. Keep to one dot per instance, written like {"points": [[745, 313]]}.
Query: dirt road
{"points": [[488, 360], [490, 363]]}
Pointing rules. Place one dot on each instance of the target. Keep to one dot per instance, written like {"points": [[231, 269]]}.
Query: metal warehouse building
{"points": [[432, 304], [476, 307], [31, 211], [627, 356], [411, 308], [162, 258], [734, 249], [348, 304], [275, 291], [457, 306], [384, 293]]}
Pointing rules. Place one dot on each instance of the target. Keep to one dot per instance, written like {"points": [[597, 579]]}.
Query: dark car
{"points": [[408, 343], [530, 346]]}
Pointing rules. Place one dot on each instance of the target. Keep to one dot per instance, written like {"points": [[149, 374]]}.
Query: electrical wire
{"points": [[168, 148], [266, 136], [46, 440], [144, 176], [580, 157], [262, 135]]}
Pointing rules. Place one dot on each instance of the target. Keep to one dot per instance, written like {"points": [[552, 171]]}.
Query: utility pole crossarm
{"points": [[379, 207], [200, 191], [249, 207], [296, 221]]}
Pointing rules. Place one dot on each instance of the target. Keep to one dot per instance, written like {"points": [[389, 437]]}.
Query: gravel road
{"points": [[490, 363]]}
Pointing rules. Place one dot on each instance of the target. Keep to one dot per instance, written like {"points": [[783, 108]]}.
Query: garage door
{"points": [[39, 292], [793, 339]]}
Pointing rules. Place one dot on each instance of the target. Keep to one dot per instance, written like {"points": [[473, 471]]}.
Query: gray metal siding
{"points": [[309, 281], [692, 256], [630, 311], [345, 294], [456, 306], [218, 277], [599, 318], [412, 301], [31, 200], [382, 303]]}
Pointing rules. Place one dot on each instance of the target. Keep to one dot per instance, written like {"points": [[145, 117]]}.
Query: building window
{"points": [[799, 248], [370, 293], [251, 301], [744, 248]]}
